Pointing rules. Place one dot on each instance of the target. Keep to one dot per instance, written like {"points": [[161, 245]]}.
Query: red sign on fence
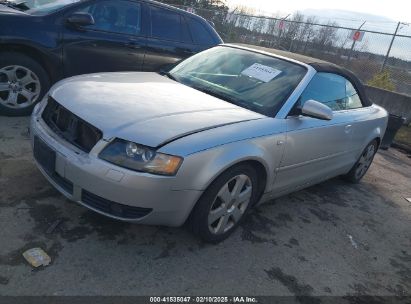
{"points": [[357, 35]]}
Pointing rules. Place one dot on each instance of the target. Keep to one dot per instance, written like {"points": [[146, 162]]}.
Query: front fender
{"points": [[200, 169], [209, 153]]}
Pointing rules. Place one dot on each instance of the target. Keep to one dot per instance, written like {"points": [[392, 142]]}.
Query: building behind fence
{"points": [[379, 58]]}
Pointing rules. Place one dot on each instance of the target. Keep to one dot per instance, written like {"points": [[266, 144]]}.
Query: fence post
{"points": [[389, 48], [232, 26], [353, 44], [281, 30]]}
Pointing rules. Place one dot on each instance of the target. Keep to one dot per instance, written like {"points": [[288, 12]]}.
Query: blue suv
{"points": [[44, 42]]}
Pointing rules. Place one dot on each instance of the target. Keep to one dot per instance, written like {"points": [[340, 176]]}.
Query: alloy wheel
{"points": [[230, 204], [19, 87], [365, 161]]}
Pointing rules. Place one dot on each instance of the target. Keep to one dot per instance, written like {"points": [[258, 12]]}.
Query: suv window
{"points": [[332, 90], [168, 25], [200, 33], [116, 16]]}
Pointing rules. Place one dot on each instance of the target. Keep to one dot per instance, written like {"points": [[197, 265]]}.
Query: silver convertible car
{"points": [[220, 132]]}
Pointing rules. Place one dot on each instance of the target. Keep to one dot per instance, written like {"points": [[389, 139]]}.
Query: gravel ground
{"points": [[330, 239]]}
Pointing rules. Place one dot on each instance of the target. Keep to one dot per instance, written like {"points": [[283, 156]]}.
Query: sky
{"points": [[398, 10]]}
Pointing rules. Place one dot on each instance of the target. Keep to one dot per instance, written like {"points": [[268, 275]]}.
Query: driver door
{"points": [[317, 149]]}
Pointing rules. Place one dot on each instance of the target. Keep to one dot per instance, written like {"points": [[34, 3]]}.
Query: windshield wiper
{"points": [[228, 98]]}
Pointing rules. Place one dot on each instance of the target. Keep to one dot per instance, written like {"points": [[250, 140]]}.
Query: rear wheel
{"points": [[224, 204], [364, 162], [23, 82]]}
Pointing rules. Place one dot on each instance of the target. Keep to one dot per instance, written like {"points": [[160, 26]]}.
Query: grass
{"points": [[403, 136]]}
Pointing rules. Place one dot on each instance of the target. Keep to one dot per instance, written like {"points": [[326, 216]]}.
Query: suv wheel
{"points": [[23, 82], [224, 204]]}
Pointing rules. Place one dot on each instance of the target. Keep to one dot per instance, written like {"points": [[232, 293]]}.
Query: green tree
{"points": [[382, 80]]}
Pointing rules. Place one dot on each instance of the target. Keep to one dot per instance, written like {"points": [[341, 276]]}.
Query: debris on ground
{"points": [[353, 243], [408, 199], [37, 257]]}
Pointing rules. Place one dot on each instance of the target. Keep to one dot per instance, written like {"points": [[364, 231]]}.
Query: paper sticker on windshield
{"points": [[261, 72]]}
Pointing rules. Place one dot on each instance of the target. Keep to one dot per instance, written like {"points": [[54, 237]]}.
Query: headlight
{"points": [[140, 158]]}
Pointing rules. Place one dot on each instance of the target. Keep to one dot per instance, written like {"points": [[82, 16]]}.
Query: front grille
{"points": [[70, 127], [113, 208]]}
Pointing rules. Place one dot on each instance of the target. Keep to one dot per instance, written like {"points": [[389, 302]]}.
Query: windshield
{"points": [[252, 80], [41, 7]]}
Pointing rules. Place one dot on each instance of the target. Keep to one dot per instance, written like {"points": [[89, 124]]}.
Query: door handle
{"points": [[348, 129]]}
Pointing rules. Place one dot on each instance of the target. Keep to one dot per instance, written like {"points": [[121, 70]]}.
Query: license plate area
{"points": [[44, 155]]}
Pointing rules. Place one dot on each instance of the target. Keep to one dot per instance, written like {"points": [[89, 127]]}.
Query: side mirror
{"points": [[317, 109], [80, 19]]}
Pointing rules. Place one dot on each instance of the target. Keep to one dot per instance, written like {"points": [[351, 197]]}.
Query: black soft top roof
{"points": [[318, 64]]}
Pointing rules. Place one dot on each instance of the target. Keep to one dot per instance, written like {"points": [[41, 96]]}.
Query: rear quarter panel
{"points": [[368, 123]]}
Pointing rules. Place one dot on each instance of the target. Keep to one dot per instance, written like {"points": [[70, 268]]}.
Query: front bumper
{"points": [[111, 190]]}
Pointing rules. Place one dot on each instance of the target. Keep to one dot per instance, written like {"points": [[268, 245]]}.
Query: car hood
{"points": [[146, 108]]}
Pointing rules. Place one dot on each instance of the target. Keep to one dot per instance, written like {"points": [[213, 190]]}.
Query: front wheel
{"points": [[363, 163], [224, 204], [23, 82]]}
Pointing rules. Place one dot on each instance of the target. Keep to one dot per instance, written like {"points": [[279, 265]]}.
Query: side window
{"points": [[199, 33], [332, 90], [165, 24], [116, 16], [353, 99]]}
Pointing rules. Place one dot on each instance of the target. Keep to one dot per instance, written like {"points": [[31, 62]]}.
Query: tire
{"points": [[233, 209], [360, 168], [23, 82]]}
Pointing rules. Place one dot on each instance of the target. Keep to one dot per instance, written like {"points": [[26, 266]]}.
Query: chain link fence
{"points": [[380, 58]]}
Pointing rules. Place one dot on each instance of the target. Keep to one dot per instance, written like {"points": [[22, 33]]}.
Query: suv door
{"points": [[116, 42], [318, 149], [169, 39]]}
